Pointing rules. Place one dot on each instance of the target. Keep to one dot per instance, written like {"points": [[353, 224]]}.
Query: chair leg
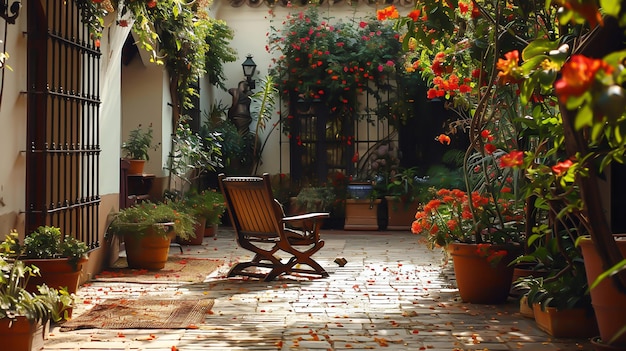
{"points": [[304, 257]]}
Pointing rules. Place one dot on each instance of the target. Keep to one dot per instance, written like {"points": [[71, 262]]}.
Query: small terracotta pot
{"points": [[136, 166], [199, 232], [210, 230]]}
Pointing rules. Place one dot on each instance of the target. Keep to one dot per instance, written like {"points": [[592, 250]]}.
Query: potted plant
{"points": [[561, 304], [467, 226], [59, 258], [214, 211], [312, 199], [206, 207], [402, 195], [23, 313], [148, 229], [136, 148]]}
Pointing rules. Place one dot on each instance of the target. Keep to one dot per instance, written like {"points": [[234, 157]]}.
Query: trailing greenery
{"points": [[218, 39], [179, 34]]}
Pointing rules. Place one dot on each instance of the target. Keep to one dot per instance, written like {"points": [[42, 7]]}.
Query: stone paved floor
{"points": [[393, 294]]}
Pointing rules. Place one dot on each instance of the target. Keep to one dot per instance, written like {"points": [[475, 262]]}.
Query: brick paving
{"points": [[393, 294]]}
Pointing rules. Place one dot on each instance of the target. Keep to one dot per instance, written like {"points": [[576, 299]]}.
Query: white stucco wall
{"points": [[13, 120], [144, 102], [251, 26]]}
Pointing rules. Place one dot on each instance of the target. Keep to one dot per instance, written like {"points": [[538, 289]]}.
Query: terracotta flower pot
{"points": [[608, 303], [572, 323], [22, 335], [210, 230], [199, 232], [55, 273], [149, 250], [136, 166], [480, 281], [400, 214]]}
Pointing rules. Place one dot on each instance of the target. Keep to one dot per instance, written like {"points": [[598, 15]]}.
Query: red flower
{"points": [[490, 148], [389, 12], [414, 15], [512, 159], [444, 139], [355, 157], [486, 134], [578, 75], [561, 168], [463, 8]]}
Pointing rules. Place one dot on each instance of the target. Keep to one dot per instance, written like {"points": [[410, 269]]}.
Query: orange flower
{"points": [[414, 15], [561, 168], [389, 12], [444, 139], [512, 159], [508, 68], [578, 75]]}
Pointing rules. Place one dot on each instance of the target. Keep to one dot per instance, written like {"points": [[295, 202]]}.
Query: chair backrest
{"points": [[250, 204]]}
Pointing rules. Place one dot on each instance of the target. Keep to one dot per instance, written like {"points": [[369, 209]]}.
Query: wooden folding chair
{"points": [[260, 224]]}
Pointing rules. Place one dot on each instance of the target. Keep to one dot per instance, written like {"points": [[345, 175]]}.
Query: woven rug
{"points": [[142, 314], [177, 269]]}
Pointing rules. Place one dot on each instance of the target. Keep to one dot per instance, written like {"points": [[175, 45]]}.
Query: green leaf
{"points": [[584, 118], [615, 58], [538, 47], [610, 7], [534, 238], [532, 63], [527, 88]]}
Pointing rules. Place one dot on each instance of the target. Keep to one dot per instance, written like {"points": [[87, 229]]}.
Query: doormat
{"points": [[177, 269], [142, 314]]}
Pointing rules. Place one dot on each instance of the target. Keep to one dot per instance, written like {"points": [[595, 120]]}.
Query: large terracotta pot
{"points": [[198, 231], [22, 335], [478, 280], [148, 250], [400, 215], [608, 303], [55, 273]]}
